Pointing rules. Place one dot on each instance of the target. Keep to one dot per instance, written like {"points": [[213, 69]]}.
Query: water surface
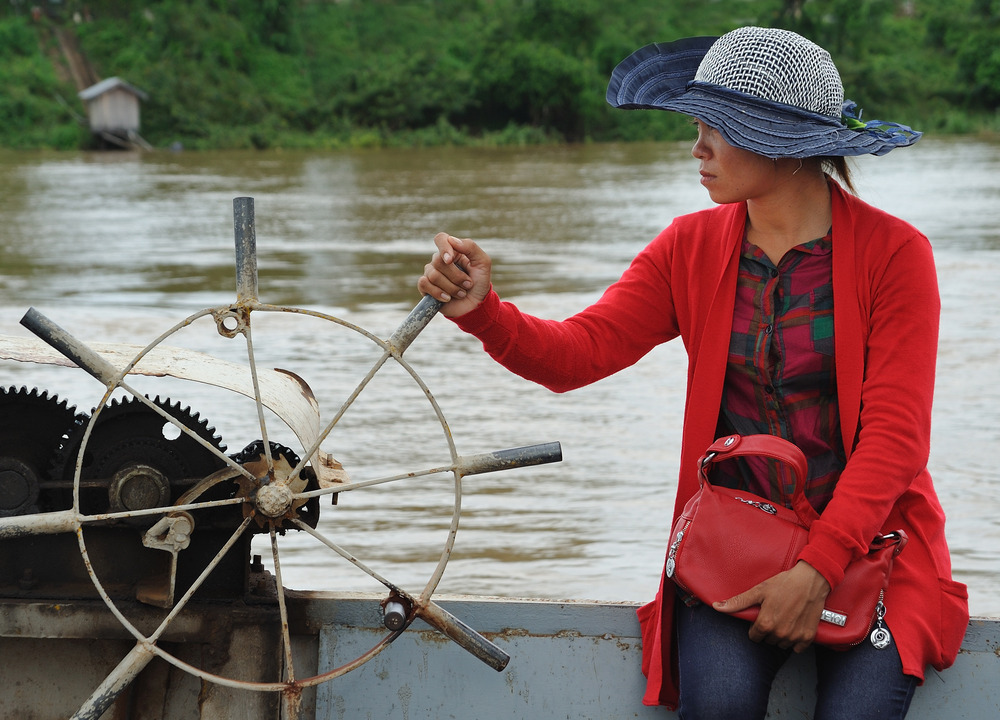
{"points": [[119, 247]]}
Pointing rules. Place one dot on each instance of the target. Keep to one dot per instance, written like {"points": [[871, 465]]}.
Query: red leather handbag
{"points": [[726, 541]]}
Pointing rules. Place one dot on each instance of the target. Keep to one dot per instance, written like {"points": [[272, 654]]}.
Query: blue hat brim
{"points": [[661, 77], [656, 73]]}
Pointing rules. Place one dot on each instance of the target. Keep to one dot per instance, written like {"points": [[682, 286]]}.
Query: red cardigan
{"points": [[886, 310]]}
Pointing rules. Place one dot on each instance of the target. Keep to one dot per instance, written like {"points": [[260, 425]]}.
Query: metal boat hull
{"points": [[569, 660]]}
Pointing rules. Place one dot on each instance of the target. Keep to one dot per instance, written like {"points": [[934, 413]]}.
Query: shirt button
{"points": [[769, 389], [768, 329]]}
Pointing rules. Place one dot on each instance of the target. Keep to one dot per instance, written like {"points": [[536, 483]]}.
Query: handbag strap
{"points": [[770, 446]]}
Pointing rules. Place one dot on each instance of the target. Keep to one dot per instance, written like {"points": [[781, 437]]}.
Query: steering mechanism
{"points": [[151, 468]]}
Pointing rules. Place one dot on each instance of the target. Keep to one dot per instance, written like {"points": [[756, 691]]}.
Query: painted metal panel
{"points": [[576, 660], [580, 661]]}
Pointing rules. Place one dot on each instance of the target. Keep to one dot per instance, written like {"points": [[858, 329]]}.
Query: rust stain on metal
{"points": [[433, 636], [304, 388], [508, 632], [292, 696]]}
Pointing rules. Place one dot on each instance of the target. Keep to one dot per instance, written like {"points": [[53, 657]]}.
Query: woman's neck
{"points": [[798, 210]]}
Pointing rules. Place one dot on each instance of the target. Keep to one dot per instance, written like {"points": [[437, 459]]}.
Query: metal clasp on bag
{"points": [[835, 618], [897, 538], [706, 461]]}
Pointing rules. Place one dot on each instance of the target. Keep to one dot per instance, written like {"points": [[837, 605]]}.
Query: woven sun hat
{"points": [[766, 90]]}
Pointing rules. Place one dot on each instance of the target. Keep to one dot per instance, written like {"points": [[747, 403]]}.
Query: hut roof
{"points": [[109, 84]]}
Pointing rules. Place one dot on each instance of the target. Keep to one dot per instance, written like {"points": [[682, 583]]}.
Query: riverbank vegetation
{"points": [[357, 73]]}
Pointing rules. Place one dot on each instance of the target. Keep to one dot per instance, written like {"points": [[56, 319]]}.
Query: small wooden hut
{"points": [[113, 111]]}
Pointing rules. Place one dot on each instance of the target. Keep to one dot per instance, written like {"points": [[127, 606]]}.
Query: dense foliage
{"points": [[269, 73]]}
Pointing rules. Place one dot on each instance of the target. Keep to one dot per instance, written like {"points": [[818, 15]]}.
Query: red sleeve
{"points": [[633, 316], [893, 440]]}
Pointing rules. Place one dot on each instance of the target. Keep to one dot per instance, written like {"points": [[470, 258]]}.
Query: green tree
{"points": [[978, 55], [262, 73], [33, 107]]}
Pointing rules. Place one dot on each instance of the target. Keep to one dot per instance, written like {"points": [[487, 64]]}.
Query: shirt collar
{"points": [[819, 246]]}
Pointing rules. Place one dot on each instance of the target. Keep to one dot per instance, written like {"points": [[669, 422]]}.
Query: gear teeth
{"points": [[175, 408], [65, 459], [181, 412], [255, 449], [41, 395], [34, 425], [35, 393]]}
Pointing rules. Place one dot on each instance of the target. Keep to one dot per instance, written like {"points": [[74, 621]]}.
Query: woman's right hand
{"points": [[791, 603], [458, 275]]}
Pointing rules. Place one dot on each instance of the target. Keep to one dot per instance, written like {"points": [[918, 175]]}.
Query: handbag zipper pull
{"points": [[881, 637], [672, 552]]}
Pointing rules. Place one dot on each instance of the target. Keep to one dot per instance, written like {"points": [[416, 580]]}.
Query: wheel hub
{"points": [[274, 500], [271, 494], [138, 487], [18, 487]]}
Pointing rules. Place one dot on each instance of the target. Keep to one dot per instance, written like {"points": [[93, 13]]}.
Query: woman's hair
{"points": [[837, 166]]}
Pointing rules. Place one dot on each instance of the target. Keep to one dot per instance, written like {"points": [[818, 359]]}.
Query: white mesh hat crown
{"points": [[766, 90], [776, 65]]}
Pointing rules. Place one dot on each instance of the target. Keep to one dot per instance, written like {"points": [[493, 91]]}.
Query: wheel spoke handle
{"points": [[508, 459], [467, 465], [437, 617], [109, 690], [69, 346], [432, 613], [49, 523], [416, 321], [245, 236]]}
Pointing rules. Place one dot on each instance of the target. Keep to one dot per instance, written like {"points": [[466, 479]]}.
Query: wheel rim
{"points": [[232, 322]]}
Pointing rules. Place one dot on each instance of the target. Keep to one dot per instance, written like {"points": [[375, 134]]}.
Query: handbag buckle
{"points": [[833, 617]]}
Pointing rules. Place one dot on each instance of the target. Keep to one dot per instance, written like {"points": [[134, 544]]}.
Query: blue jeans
{"points": [[724, 675]]}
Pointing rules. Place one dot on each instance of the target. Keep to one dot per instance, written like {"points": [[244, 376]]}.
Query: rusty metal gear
{"points": [[33, 425], [132, 460], [255, 451], [284, 459]]}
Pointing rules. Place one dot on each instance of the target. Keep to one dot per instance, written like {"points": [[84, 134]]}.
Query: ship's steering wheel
{"points": [[272, 493]]}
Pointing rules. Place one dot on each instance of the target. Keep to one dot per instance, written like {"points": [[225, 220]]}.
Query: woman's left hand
{"points": [[790, 606]]}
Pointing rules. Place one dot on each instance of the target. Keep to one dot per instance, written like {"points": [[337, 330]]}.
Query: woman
{"points": [[807, 314]]}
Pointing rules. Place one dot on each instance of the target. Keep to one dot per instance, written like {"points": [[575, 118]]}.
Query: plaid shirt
{"points": [[780, 374]]}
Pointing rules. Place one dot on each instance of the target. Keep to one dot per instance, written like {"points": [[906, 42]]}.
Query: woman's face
{"points": [[731, 174]]}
